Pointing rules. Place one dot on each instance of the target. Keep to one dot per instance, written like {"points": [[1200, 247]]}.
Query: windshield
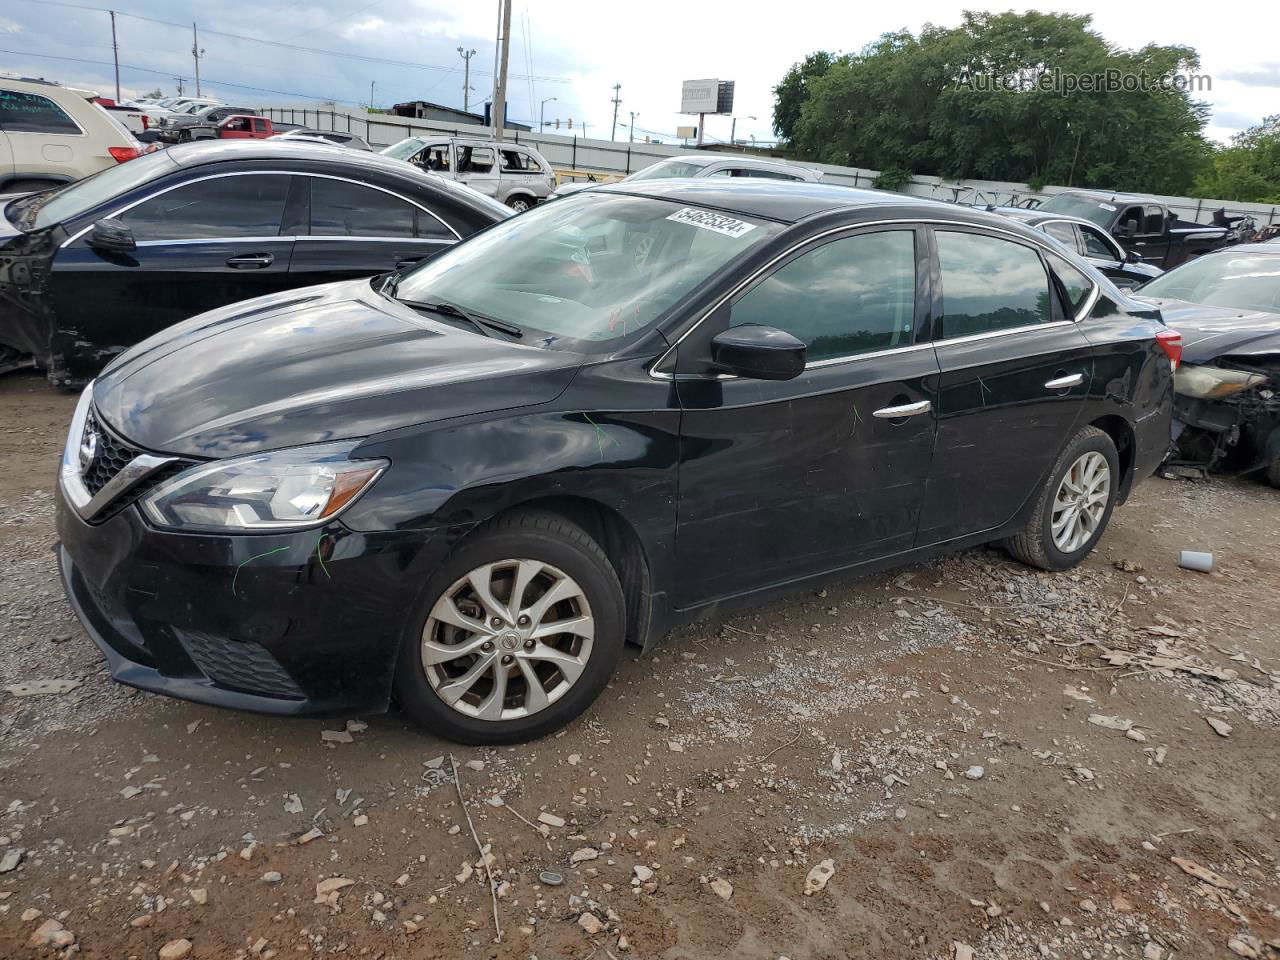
{"points": [[404, 149], [1242, 281], [1076, 205], [593, 267], [667, 169], [45, 210]]}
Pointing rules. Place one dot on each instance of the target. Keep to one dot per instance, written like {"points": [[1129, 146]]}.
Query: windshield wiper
{"points": [[475, 319]]}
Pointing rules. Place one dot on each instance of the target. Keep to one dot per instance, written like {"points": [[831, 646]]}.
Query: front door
{"points": [[357, 230], [1015, 372], [783, 480], [201, 245]]}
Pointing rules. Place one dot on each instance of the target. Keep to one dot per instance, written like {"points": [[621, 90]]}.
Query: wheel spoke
{"points": [[569, 665], [435, 653], [536, 697], [581, 626], [1063, 522], [453, 691], [446, 611], [525, 572], [564, 589], [481, 580], [491, 709]]}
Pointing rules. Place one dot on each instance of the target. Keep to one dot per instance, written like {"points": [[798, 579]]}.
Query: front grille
{"points": [[111, 454], [239, 664]]}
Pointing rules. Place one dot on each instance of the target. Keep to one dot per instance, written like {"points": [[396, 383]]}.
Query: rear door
{"points": [[200, 245], [356, 230], [1015, 373], [476, 166]]}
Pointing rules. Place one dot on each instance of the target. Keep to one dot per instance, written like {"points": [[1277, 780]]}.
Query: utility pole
{"points": [[371, 83], [180, 82], [197, 53], [115, 52], [500, 75], [632, 137], [617, 99], [466, 77]]}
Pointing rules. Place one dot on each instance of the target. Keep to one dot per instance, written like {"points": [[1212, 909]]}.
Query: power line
{"points": [[280, 44]]}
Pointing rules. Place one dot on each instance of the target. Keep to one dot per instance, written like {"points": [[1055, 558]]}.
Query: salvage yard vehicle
{"points": [[103, 263], [698, 165], [469, 485], [520, 178], [1226, 305], [1124, 268], [234, 127], [182, 127], [1144, 225], [51, 135]]}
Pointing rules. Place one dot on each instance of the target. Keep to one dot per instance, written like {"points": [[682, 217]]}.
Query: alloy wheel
{"points": [[508, 639], [519, 206], [1081, 502]]}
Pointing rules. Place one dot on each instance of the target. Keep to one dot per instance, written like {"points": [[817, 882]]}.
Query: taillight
{"points": [[1171, 343], [146, 124], [121, 154]]}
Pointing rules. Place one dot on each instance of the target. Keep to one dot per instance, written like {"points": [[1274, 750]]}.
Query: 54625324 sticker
{"points": [[715, 222]]}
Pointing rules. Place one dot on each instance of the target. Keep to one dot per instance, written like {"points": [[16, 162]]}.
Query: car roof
{"points": [[201, 152], [1109, 195], [1034, 218], [788, 201]]}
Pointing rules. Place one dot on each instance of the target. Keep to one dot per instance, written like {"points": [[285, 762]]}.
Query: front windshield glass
{"points": [[594, 267], [1076, 205], [404, 149], [1241, 281], [74, 199], [666, 170]]}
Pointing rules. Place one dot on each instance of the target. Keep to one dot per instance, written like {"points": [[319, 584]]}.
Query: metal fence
{"points": [[619, 159]]}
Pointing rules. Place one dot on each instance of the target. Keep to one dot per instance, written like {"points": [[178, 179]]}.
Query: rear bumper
{"points": [[301, 624]]}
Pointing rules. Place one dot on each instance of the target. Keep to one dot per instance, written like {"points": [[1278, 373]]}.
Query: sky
{"points": [[572, 52]]}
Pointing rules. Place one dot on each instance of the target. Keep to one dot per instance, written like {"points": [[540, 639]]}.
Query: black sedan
{"points": [[470, 485], [1226, 305], [95, 266], [1125, 268]]}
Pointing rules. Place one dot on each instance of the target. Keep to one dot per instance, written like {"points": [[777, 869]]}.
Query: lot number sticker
{"points": [[715, 222]]}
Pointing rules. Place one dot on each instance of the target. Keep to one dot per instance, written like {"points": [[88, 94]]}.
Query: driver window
{"points": [[434, 158], [1154, 222], [846, 297], [226, 207], [1095, 246]]}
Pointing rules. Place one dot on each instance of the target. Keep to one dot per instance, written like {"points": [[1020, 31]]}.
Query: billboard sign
{"points": [[686, 133], [699, 96]]}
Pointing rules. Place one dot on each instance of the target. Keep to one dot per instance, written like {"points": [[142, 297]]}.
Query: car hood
{"points": [[324, 363], [1210, 331]]}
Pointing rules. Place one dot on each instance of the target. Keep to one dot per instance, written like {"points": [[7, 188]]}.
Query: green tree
{"points": [[976, 101], [791, 93], [1249, 169]]}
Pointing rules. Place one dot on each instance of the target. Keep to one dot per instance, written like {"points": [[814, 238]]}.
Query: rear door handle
{"points": [[1065, 383], [252, 261], [906, 410]]}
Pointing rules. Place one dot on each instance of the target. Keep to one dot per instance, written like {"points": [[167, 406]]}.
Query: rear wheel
{"points": [[519, 204], [1074, 505], [515, 636]]}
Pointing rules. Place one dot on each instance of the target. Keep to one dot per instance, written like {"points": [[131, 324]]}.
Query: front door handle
{"points": [[252, 261], [1065, 383], [410, 261], [906, 410]]}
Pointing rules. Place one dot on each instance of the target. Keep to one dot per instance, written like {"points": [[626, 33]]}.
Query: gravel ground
{"points": [[993, 763]]}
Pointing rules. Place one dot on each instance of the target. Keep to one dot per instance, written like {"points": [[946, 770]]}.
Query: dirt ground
{"points": [[1068, 766]]}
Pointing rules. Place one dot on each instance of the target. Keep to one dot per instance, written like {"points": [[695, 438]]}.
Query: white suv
{"points": [[51, 134], [520, 178]]}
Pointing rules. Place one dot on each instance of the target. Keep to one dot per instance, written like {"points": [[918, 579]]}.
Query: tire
{"points": [[446, 695], [1273, 468], [1037, 545], [520, 204]]}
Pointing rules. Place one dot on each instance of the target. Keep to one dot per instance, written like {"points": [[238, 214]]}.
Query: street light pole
{"points": [[542, 113], [733, 129], [115, 52], [466, 77], [197, 53], [632, 137]]}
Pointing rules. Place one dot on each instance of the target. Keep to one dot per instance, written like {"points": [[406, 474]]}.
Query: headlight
{"points": [[1212, 383], [282, 490]]}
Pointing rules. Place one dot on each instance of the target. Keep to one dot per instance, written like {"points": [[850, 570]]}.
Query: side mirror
{"points": [[759, 353], [112, 236], [1132, 256]]}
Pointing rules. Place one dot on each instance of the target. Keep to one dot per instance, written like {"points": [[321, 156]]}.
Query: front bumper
{"points": [[293, 624]]}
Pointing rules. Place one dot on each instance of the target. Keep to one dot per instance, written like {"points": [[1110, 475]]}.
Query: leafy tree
{"points": [[1249, 169], [918, 102], [793, 90]]}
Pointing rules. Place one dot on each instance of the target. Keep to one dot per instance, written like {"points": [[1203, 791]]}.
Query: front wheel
{"points": [[1074, 506], [515, 635]]}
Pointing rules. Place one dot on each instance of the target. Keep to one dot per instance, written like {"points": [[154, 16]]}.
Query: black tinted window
{"points": [[239, 206], [990, 284], [849, 296], [348, 210], [31, 113], [1076, 284], [1095, 245], [766, 175]]}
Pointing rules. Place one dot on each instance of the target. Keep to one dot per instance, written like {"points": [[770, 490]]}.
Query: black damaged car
{"points": [[1226, 305], [468, 487], [91, 268]]}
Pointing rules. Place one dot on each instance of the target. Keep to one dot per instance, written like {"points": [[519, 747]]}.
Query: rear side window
{"points": [[341, 209], [514, 161], [475, 159], [1075, 284], [849, 296], [990, 284], [766, 175], [1095, 245], [31, 113], [222, 208]]}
